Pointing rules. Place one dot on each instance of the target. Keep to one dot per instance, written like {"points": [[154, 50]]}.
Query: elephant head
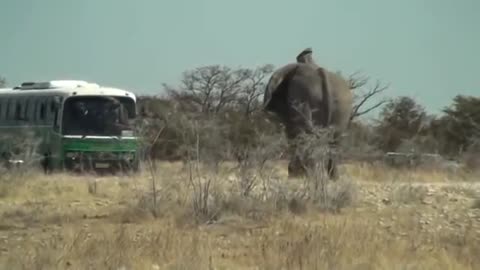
{"points": [[304, 95]]}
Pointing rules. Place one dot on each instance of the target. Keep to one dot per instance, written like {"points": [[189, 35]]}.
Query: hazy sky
{"points": [[427, 49]]}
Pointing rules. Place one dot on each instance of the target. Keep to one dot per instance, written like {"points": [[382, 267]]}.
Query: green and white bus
{"points": [[68, 125]]}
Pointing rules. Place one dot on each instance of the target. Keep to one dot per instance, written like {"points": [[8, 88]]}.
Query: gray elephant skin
{"points": [[304, 95]]}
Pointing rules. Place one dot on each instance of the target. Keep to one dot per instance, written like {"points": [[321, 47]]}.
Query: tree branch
{"points": [[357, 82]]}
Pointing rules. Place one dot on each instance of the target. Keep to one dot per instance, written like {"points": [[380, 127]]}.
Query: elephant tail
{"points": [[327, 100]]}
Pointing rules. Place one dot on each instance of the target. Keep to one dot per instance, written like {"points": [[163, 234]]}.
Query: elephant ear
{"points": [[274, 88], [328, 102]]}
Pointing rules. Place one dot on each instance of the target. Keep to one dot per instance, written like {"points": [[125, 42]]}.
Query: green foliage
{"points": [[405, 126], [229, 133], [460, 126], [360, 140], [401, 119]]}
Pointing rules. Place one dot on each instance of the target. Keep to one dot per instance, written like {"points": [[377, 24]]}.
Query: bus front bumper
{"points": [[79, 161]]}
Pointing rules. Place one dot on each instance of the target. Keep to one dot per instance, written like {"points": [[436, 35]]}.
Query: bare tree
{"points": [[254, 87], [212, 89], [358, 83]]}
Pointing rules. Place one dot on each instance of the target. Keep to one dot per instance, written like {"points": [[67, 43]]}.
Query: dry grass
{"points": [[384, 221], [382, 173]]}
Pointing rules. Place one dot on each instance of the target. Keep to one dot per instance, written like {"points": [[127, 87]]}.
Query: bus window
{"points": [[42, 111], [2, 101], [50, 105], [19, 109], [103, 116], [32, 110], [10, 109], [35, 111], [5, 111], [55, 108], [26, 109]]}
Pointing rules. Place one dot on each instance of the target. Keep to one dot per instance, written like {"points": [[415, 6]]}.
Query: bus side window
{"points": [[50, 110], [5, 110], [31, 110], [2, 106], [26, 109], [42, 111], [35, 110], [38, 105], [10, 109], [55, 106], [18, 109]]}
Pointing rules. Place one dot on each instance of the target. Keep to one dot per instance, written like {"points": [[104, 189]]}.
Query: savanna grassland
{"points": [[178, 217]]}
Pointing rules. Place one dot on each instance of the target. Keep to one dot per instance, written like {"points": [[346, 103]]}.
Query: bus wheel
{"points": [[5, 157], [47, 162], [135, 166]]}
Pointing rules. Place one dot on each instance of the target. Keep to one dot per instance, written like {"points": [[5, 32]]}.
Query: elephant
{"points": [[304, 95]]}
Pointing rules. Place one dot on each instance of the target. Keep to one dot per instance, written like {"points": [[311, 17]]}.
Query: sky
{"points": [[426, 49]]}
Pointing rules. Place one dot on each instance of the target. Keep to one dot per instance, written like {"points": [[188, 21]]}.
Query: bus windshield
{"points": [[98, 115]]}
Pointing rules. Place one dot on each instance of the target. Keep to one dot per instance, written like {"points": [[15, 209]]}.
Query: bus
{"points": [[68, 125]]}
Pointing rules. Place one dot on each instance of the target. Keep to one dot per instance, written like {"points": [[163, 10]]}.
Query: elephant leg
{"points": [[295, 165], [295, 168], [298, 124], [332, 157], [332, 169]]}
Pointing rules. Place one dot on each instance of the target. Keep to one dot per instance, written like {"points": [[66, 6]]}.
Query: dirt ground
{"points": [[387, 219]]}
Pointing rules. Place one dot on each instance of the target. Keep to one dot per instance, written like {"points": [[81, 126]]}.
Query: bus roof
{"points": [[64, 88]]}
